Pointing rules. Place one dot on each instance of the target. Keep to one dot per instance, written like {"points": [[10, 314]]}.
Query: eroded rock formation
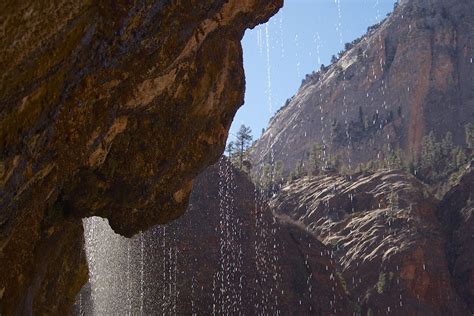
{"points": [[107, 109], [386, 238]]}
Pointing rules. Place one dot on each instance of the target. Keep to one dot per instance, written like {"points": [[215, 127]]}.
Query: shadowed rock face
{"points": [[226, 255], [410, 75], [456, 214], [107, 109], [386, 238]]}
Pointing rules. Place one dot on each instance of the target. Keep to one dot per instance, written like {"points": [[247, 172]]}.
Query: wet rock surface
{"points": [[226, 255], [108, 109], [386, 238]]}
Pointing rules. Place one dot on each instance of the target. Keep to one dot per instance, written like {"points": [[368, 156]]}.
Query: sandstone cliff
{"points": [[108, 109], [408, 76], [387, 241]]}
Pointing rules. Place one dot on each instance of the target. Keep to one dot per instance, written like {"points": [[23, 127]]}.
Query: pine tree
{"points": [[278, 173], [429, 151], [361, 117], [440, 159], [447, 163], [333, 59], [242, 142], [267, 178], [393, 201], [229, 149], [393, 159], [447, 145], [337, 133], [298, 172], [412, 167], [469, 132], [314, 160], [366, 123], [272, 177], [371, 166], [360, 168], [231, 152], [458, 157], [333, 163]]}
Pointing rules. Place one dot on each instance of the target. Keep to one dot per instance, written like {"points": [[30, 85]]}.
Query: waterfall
{"points": [[266, 257], [229, 277], [109, 260], [166, 269]]}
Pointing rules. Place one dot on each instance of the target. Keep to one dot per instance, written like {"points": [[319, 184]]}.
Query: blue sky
{"points": [[304, 34]]}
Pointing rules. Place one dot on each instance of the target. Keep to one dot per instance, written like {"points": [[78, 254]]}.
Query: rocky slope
{"points": [[226, 255], [408, 76], [107, 109], [387, 240]]}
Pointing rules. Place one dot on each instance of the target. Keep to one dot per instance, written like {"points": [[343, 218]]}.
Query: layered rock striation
{"points": [[387, 240]]}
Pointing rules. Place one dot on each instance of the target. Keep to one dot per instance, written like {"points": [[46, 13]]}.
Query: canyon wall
{"points": [[409, 75]]}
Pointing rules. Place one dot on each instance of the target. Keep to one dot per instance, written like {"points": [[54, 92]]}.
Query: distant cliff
{"points": [[411, 74]]}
